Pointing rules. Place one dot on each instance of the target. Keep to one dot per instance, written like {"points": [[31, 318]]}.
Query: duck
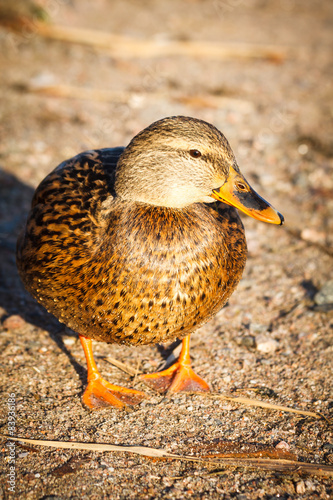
{"points": [[141, 244]]}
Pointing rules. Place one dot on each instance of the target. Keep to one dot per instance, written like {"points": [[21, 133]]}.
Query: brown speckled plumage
{"points": [[118, 269], [126, 272]]}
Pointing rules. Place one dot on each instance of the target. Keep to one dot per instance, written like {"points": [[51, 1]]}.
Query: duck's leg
{"points": [[179, 377], [100, 393]]}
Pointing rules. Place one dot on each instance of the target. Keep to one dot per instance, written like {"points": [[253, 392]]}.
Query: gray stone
{"points": [[325, 294]]}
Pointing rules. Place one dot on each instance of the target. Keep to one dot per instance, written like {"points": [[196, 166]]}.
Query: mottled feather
{"points": [[123, 271]]}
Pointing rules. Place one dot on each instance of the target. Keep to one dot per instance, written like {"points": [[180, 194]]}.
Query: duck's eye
{"points": [[195, 153]]}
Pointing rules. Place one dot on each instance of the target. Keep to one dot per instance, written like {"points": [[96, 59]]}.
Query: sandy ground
{"points": [[274, 340]]}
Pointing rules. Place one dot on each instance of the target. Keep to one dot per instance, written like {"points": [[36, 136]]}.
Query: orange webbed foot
{"points": [[179, 377], [101, 394]]}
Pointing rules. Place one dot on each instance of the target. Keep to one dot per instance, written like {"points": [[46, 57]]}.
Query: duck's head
{"points": [[178, 161]]}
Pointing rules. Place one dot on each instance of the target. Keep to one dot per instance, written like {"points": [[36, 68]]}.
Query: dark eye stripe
{"points": [[195, 153]]}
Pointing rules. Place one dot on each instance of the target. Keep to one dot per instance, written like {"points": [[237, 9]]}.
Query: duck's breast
{"points": [[157, 273]]}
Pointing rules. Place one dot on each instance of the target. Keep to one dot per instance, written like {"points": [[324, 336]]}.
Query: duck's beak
{"points": [[237, 191]]}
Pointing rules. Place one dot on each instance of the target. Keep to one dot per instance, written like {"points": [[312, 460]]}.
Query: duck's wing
{"points": [[66, 208], [87, 176]]}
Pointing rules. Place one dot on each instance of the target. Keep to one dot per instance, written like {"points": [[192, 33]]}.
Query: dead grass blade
{"points": [[73, 92], [121, 46], [286, 466], [261, 404], [122, 366], [281, 465], [138, 450], [126, 97]]}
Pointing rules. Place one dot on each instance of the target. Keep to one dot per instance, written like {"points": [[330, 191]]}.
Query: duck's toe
{"points": [[101, 394]]}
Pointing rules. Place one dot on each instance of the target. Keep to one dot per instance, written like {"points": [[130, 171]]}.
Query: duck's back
{"points": [[122, 271]]}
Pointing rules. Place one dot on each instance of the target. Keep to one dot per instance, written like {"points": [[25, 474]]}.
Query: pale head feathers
{"points": [[157, 167]]}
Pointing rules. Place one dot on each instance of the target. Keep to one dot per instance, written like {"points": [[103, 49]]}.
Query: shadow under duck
{"points": [[141, 245]]}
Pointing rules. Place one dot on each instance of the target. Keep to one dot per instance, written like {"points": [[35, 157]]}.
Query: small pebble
{"points": [[14, 322], [303, 149], [248, 341], [312, 235], [325, 294], [267, 345], [300, 487], [282, 445], [69, 340], [310, 485]]}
